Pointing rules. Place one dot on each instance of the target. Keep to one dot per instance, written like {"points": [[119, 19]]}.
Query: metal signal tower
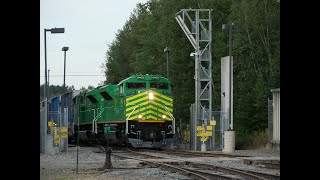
{"points": [[199, 20]]}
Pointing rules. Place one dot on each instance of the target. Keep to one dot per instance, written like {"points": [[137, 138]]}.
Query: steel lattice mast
{"points": [[199, 20]]}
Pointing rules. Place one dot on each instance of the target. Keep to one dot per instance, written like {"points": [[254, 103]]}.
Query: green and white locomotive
{"points": [[137, 111]]}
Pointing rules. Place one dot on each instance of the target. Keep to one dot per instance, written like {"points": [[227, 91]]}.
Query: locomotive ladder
{"points": [[173, 120], [94, 122], [127, 123]]}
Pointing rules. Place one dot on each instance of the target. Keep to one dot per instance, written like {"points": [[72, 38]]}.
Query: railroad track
{"points": [[193, 154], [240, 172], [271, 164], [168, 167], [198, 170], [194, 170], [265, 175]]}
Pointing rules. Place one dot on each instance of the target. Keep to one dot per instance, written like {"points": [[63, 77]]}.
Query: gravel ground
{"points": [[65, 163], [62, 166], [262, 152], [146, 173], [257, 154]]}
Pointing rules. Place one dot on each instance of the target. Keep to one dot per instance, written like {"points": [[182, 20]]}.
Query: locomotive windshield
{"points": [[158, 85], [136, 85]]}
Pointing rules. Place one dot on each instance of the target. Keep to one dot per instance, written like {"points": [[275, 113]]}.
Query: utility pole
{"points": [[65, 49], [48, 81], [78, 136], [167, 50], [53, 31]]}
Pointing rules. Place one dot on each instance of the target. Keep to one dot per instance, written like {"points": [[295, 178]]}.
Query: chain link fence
{"points": [[219, 125], [43, 130], [53, 131]]}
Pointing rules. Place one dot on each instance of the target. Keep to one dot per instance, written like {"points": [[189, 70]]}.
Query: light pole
{"points": [[65, 49], [229, 27], [167, 50], [48, 81], [53, 31]]}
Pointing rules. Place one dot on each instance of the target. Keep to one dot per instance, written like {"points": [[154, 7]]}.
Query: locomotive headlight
{"points": [[164, 116], [139, 116], [151, 96]]}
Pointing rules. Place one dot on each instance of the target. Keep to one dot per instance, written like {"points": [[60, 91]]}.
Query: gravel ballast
{"points": [[63, 165]]}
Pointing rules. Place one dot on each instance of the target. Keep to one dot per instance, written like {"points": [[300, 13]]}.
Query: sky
{"points": [[90, 26]]}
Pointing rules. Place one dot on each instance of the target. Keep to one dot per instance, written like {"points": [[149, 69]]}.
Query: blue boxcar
{"points": [[69, 103], [54, 108], [55, 104]]}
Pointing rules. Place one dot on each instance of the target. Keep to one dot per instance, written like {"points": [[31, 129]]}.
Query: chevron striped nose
{"points": [[141, 104]]}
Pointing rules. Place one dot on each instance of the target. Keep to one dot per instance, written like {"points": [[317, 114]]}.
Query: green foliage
{"points": [[243, 139], [260, 139], [256, 60], [251, 140], [86, 89], [138, 49]]}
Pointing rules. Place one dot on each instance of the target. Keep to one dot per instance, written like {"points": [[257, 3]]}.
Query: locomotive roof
{"points": [[141, 75]]}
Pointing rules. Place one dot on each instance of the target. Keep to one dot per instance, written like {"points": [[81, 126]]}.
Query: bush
{"points": [[245, 140], [260, 139]]}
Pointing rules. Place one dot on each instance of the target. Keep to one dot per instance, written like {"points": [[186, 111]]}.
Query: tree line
{"points": [[56, 90], [139, 44]]}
